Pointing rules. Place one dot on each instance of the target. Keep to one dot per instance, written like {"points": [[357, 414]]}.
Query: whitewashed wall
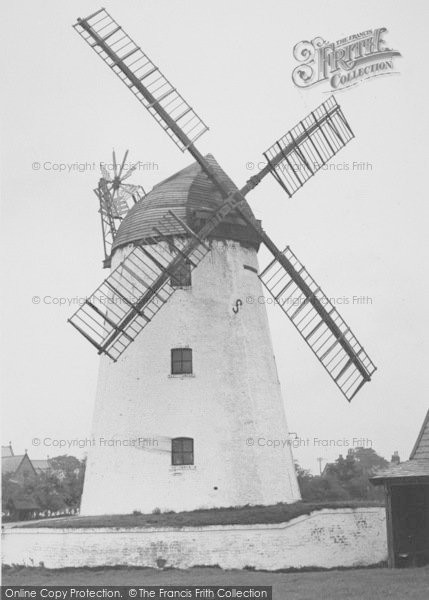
{"points": [[232, 397], [326, 538]]}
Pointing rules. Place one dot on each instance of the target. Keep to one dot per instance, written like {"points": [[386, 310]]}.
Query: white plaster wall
{"points": [[233, 395], [326, 538]]}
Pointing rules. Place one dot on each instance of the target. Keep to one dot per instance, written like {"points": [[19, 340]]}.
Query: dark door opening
{"points": [[410, 525]]}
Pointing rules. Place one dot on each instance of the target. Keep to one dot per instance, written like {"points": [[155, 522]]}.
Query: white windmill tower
{"points": [[187, 401]]}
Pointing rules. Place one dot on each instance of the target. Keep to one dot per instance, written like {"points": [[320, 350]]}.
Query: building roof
{"points": [[416, 467], [192, 196], [9, 464], [409, 468], [6, 451], [41, 465], [421, 447]]}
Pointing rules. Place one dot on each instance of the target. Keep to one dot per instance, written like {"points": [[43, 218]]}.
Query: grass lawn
{"points": [[244, 515], [351, 584]]}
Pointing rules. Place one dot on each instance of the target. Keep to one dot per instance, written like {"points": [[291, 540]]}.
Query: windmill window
{"points": [[182, 276], [182, 451], [181, 361]]}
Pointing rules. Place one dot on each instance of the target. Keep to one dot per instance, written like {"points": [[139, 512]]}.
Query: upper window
{"points": [[182, 276], [181, 361], [182, 451]]}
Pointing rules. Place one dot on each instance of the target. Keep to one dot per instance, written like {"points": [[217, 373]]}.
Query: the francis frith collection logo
{"points": [[343, 63]]}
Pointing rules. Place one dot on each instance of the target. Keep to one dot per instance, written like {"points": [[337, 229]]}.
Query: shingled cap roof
{"points": [[193, 197], [418, 465]]}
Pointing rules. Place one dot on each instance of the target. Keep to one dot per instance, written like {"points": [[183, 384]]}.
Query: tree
{"points": [[315, 488], [60, 487], [47, 491], [353, 472], [345, 479], [9, 488], [368, 460], [70, 472]]}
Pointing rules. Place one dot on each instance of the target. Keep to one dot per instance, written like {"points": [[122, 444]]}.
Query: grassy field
{"points": [[245, 515], [351, 584]]}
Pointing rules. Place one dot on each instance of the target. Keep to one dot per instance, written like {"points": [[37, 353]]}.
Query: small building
{"points": [[406, 487], [23, 508], [19, 467]]}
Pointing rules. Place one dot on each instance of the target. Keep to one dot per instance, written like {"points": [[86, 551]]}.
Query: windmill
{"points": [[147, 266], [115, 199]]}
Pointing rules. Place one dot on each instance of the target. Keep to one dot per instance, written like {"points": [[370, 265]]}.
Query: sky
{"points": [[360, 233]]}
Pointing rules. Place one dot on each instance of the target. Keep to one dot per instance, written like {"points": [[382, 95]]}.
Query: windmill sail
{"points": [[296, 157], [142, 77], [292, 160], [127, 300], [318, 322]]}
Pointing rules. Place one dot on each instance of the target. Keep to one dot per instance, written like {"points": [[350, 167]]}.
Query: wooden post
{"points": [[389, 526]]}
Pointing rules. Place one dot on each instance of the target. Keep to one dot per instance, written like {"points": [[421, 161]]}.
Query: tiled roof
{"points": [[9, 464], [41, 465], [410, 468], [421, 447], [185, 192]]}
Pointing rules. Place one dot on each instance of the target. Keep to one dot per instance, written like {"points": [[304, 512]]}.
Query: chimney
{"points": [[395, 458]]}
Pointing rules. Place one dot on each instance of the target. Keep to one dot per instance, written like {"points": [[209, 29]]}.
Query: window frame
{"points": [[181, 361], [183, 278], [182, 457]]}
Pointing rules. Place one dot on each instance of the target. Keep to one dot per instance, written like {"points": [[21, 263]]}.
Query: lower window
{"points": [[182, 451]]}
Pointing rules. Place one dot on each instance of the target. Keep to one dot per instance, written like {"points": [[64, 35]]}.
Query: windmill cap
{"points": [[193, 197]]}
